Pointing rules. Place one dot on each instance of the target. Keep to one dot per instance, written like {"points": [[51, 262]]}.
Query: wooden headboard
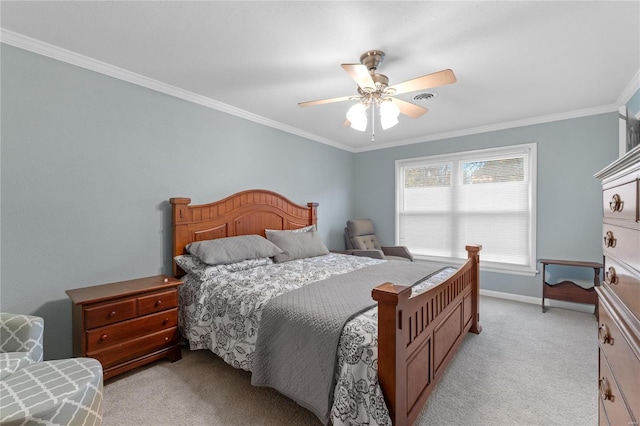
{"points": [[244, 213]]}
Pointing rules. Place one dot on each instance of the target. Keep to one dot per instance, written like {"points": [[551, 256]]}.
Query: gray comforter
{"points": [[300, 331]]}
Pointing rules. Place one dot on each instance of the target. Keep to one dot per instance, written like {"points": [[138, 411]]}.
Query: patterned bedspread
{"points": [[222, 314]]}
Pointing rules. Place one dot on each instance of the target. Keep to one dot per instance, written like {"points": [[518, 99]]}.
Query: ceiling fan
{"points": [[374, 91]]}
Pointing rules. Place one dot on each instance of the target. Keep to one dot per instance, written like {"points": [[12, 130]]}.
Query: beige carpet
{"points": [[525, 368]]}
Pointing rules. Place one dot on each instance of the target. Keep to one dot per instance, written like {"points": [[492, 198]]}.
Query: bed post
{"points": [[473, 252], [391, 348], [179, 219], [313, 207]]}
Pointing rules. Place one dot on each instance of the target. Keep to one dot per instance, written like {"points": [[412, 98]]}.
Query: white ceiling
{"points": [[516, 62]]}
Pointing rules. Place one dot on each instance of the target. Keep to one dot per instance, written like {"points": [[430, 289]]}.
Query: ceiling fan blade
{"points": [[360, 74], [407, 108], [324, 101], [428, 81]]}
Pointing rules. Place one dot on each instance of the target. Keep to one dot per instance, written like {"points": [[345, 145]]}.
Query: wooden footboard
{"points": [[418, 336]]}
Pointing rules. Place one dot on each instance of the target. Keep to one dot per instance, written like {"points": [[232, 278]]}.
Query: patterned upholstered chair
{"points": [[60, 392], [361, 240], [20, 342]]}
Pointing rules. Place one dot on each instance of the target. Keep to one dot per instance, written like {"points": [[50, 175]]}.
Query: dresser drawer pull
{"points": [[112, 314], [616, 204], [609, 241], [158, 303], [604, 335], [103, 337], [165, 321], [610, 276], [605, 389], [166, 339]]}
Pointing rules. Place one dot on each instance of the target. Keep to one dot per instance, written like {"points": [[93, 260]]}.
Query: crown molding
{"points": [[630, 90], [64, 55], [500, 126]]}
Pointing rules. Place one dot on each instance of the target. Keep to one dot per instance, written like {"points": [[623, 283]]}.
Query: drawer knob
{"points": [[603, 335], [112, 314], [103, 337], [166, 339], [158, 303], [609, 241], [166, 321], [605, 389], [616, 204], [610, 276]]}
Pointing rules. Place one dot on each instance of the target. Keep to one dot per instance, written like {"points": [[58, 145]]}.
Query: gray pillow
{"points": [[224, 251], [297, 245]]}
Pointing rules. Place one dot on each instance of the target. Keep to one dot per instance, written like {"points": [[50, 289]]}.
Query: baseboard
{"points": [[550, 303]]}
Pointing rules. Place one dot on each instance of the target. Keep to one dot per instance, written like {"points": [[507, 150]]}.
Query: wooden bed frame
{"points": [[417, 336]]}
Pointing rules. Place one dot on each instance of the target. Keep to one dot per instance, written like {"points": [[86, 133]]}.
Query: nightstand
{"points": [[127, 324]]}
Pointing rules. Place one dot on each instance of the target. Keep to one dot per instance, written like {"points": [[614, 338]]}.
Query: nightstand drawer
{"points": [[157, 302], [103, 337], [135, 348], [108, 313]]}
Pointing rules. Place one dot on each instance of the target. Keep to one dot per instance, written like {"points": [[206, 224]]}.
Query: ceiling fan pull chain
{"points": [[373, 122]]}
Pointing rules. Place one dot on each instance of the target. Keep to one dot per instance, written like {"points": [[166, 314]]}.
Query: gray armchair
{"points": [[360, 240], [59, 392], [20, 342]]}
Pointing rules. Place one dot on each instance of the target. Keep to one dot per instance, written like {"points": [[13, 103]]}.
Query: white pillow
{"points": [[305, 229]]}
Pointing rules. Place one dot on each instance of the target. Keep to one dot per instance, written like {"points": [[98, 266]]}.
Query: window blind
{"points": [[482, 197]]}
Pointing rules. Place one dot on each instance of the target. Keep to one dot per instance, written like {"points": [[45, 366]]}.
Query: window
{"points": [[484, 197]]}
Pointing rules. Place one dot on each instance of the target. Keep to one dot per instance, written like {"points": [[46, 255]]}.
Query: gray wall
{"points": [[634, 103], [88, 165], [569, 211]]}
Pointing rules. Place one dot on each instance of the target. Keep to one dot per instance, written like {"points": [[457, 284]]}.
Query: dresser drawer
{"points": [[135, 348], [610, 397], [623, 243], [624, 364], [621, 202], [157, 302], [624, 284], [103, 337], [108, 313], [602, 414]]}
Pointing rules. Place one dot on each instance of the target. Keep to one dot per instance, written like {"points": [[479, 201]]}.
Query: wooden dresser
{"points": [[619, 295], [127, 324]]}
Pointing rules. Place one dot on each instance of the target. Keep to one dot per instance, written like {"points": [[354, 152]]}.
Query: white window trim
{"points": [[532, 149]]}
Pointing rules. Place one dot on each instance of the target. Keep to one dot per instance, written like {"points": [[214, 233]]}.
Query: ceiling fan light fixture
{"points": [[388, 122], [388, 114], [357, 115]]}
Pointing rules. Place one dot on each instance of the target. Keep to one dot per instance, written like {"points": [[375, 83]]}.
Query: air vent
{"points": [[424, 96]]}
